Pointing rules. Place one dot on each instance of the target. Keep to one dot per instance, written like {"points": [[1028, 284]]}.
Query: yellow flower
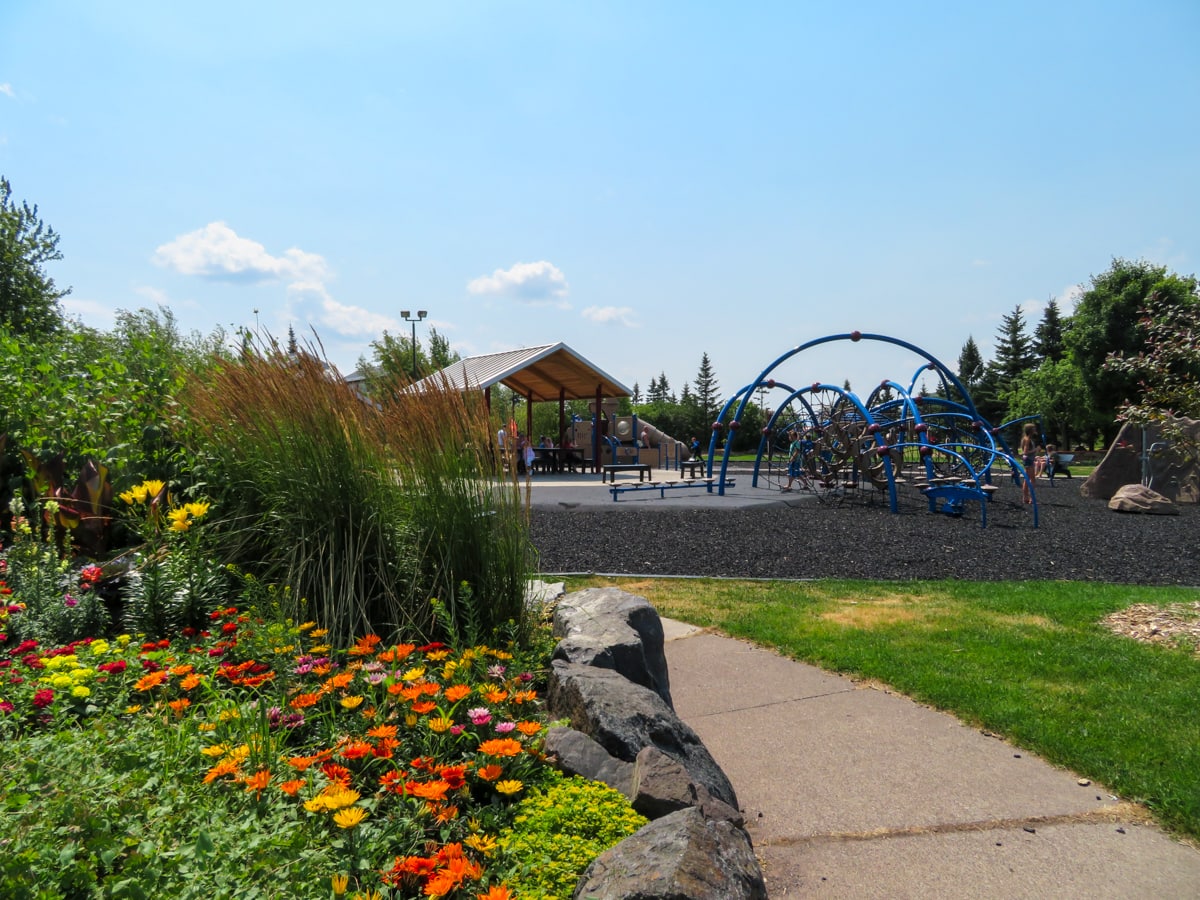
{"points": [[305, 626], [81, 690], [133, 710], [129, 498], [351, 702], [197, 510], [413, 674], [179, 519], [348, 818], [153, 487], [510, 786], [339, 884], [215, 750], [440, 724], [484, 843]]}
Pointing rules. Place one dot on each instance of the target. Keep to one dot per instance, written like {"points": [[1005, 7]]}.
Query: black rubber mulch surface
{"points": [[1078, 539]]}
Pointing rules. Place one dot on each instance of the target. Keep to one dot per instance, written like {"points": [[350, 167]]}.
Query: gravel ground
{"points": [[1078, 539]]}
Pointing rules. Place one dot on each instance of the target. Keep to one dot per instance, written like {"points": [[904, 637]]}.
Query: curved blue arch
{"points": [[763, 376]]}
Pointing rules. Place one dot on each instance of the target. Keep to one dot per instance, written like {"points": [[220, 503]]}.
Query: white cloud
{"points": [[217, 252], [354, 320], [538, 283], [93, 312], [1068, 297], [7, 90], [610, 315]]}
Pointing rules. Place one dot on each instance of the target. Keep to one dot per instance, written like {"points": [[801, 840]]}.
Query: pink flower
{"points": [[505, 727], [480, 715]]}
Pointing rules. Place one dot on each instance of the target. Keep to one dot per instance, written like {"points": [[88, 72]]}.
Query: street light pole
{"points": [[421, 314]]}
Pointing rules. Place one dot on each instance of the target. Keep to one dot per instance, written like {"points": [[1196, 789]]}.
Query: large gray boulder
{"points": [[578, 754], [624, 717], [1137, 498], [683, 856], [612, 629]]}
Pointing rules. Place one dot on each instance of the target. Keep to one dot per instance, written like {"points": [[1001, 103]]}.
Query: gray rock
{"points": [[578, 754], [661, 786], [612, 629], [624, 717], [682, 856], [1137, 498], [1172, 461]]}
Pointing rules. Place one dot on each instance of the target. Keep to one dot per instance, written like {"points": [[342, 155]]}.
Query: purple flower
{"points": [[496, 671], [70, 601]]}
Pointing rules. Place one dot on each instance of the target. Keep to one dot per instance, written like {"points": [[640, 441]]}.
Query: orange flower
{"points": [[191, 681], [495, 892], [301, 701], [457, 692], [495, 695], [180, 705], [423, 707], [357, 750], [383, 731], [429, 790], [220, 770], [300, 763], [524, 696], [340, 680], [150, 681], [445, 814], [398, 653], [181, 670], [455, 776], [292, 788], [490, 773], [339, 775], [365, 645], [258, 781], [500, 747], [529, 728]]}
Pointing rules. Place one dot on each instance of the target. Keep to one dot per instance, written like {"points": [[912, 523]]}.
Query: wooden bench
{"points": [[643, 470]]}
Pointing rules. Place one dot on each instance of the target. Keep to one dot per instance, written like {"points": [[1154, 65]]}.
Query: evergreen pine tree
{"points": [[970, 365], [1048, 336], [708, 397]]}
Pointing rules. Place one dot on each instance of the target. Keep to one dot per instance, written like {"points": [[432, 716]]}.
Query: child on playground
{"points": [[795, 459]]}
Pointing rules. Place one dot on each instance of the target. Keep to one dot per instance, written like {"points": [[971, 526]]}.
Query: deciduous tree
{"points": [[28, 296]]}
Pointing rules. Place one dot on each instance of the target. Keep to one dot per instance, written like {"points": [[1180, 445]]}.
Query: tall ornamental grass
{"points": [[376, 516]]}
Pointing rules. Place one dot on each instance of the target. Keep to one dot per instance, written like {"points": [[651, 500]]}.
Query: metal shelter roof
{"points": [[536, 373]]}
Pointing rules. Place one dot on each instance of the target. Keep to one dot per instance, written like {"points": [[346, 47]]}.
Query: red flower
{"points": [[43, 698]]}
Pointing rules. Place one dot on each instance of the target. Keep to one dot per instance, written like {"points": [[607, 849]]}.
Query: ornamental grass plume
{"points": [[365, 510]]}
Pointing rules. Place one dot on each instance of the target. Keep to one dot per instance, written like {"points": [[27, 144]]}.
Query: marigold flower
{"points": [[178, 706], [425, 706], [456, 692], [292, 787], [191, 681], [509, 786], [490, 772], [529, 728], [151, 681], [383, 731], [301, 763], [357, 750], [484, 843], [428, 790], [220, 770], [495, 696], [259, 781], [500, 747], [302, 701], [348, 818]]}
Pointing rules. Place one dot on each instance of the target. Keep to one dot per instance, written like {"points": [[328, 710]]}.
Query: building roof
{"points": [[536, 373]]}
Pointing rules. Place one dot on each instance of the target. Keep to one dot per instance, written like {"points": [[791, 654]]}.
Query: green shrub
{"points": [[557, 832]]}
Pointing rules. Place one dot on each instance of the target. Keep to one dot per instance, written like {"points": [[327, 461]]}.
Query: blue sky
{"points": [[647, 182]]}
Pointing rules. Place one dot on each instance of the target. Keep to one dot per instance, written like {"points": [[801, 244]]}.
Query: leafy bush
{"points": [[558, 831]]}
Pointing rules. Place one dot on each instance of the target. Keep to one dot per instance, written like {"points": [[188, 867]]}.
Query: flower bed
{"points": [[400, 771]]}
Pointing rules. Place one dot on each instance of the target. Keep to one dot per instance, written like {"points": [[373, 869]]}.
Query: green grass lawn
{"points": [[1028, 660]]}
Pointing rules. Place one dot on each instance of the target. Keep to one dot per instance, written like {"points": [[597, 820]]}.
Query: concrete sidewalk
{"points": [[850, 791]]}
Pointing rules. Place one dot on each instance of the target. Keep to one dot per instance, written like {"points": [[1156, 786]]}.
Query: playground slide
{"points": [[662, 449]]}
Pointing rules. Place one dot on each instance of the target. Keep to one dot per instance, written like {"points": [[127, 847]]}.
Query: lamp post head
{"points": [[404, 313], [422, 313]]}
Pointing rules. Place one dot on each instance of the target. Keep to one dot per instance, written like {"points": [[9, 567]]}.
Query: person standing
{"points": [[795, 459], [1028, 450]]}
